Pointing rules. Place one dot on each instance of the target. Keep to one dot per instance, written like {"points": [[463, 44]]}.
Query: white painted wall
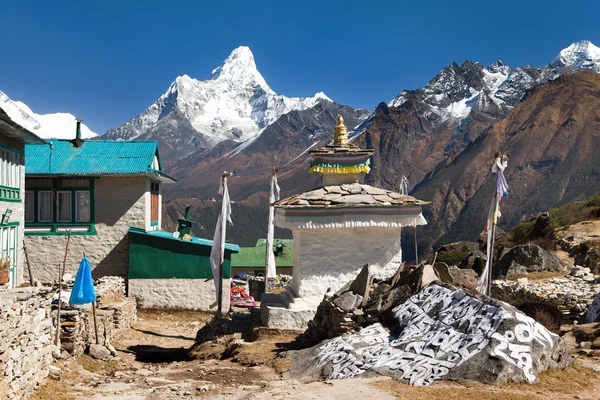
{"points": [[329, 258], [174, 294], [119, 204]]}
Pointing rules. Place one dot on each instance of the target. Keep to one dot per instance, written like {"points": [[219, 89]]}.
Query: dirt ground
{"points": [[153, 364]]}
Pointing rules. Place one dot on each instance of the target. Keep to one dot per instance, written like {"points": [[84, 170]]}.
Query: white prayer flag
{"points": [[404, 185], [270, 257], [217, 251], [498, 168]]}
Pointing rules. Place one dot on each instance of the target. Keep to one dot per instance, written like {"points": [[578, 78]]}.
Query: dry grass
{"points": [[181, 316], [537, 276], [52, 390], [211, 350], [450, 391], [572, 380], [559, 384], [98, 367]]}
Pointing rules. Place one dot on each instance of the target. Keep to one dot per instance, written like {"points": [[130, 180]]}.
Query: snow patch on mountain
{"points": [[453, 93], [235, 104], [580, 55], [47, 126]]}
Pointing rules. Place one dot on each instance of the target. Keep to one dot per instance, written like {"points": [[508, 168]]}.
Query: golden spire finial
{"points": [[341, 133]]}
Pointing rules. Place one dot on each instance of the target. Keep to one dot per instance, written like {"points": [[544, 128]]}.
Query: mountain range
{"points": [[55, 125], [442, 137]]}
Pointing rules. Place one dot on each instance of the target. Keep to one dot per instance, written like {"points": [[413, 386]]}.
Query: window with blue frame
{"points": [[57, 205]]}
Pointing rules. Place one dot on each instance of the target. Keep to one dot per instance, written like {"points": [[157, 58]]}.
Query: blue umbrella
{"points": [[83, 289]]}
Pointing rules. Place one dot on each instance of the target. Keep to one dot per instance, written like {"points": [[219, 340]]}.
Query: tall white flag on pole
{"points": [[270, 257], [217, 251], [500, 164], [404, 185]]}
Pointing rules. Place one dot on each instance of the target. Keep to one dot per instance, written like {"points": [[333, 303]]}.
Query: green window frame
{"points": [[9, 239], [71, 189], [10, 174]]}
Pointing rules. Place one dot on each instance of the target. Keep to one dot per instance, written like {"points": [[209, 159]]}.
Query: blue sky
{"points": [[106, 61]]}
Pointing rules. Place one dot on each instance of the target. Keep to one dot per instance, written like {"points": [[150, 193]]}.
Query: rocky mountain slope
{"points": [[421, 134], [56, 125], [553, 142]]}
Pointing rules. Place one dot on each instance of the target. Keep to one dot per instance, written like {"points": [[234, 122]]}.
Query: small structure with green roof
{"points": [[251, 260]]}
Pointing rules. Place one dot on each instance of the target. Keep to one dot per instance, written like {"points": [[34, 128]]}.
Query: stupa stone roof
{"points": [[349, 195]]}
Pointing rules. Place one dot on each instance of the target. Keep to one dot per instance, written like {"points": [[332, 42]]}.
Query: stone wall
{"points": [[570, 294], [18, 211], [26, 340], [328, 258], [114, 313], [120, 203], [182, 294]]}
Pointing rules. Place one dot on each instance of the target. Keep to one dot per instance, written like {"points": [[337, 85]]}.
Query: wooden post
{"points": [[491, 255], [95, 321], [416, 248], [60, 277], [221, 253], [28, 265]]}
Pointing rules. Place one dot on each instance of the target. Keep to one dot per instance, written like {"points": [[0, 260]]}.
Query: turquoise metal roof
{"points": [[93, 157], [195, 240]]}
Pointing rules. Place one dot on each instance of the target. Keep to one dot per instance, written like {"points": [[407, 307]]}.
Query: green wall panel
{"points": [[152, 257]]}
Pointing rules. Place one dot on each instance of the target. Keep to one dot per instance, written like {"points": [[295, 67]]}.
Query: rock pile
{"points": [[362, 302], [572, 294], [440, 333], [115, 312]]}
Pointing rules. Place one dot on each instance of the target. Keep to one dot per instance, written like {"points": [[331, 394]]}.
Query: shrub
{"points": [[5, 264]]}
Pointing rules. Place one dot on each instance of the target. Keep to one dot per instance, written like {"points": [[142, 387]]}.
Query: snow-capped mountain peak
{"points": [[581, 55], [235, 104], [454, 92], [47, 126], [239, 69]]}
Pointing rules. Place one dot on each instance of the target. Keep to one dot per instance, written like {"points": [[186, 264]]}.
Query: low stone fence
{"points": [[571, 295], [26, 340], [28, 328], [114, 313]]}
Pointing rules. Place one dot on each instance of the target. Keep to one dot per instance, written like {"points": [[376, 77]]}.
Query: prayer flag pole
{"points": [[217, 253], [270, 264], [484, 283]]}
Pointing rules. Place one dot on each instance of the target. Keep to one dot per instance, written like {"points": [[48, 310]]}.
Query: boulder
{"points": [[98, 351], [463, 278], [441, 269], [524, 259], [440, 333], [475, 260], [454, 253], [582, 242]]}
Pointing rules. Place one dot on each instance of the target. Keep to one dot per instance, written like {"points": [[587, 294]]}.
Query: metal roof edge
{"points": [[167, 235], [28, 136]]}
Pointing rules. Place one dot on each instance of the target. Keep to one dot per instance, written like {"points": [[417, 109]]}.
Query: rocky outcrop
{"points": [[524, 259], [582, 242], [440, 333], [363, 302]]}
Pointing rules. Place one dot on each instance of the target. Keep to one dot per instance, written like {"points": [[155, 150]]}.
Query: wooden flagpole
{"points": [[60, 279], [416, 249], [221, 253]]}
